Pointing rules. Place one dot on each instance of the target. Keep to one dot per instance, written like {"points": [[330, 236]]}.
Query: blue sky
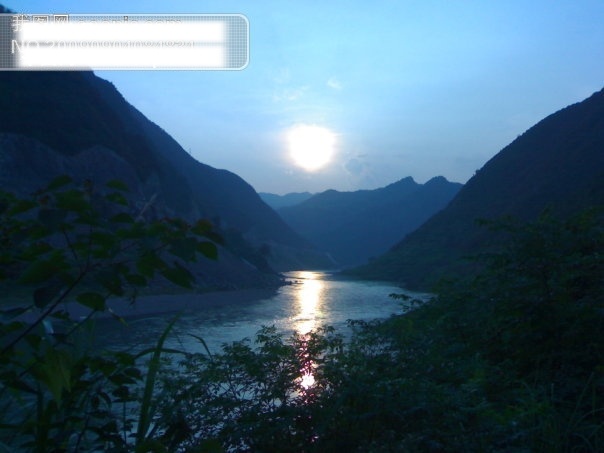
{"points": [[410, 88]]}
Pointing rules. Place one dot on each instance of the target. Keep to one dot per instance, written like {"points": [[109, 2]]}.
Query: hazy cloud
{"points": [[334, 83], [282, 76], [289, 94]]}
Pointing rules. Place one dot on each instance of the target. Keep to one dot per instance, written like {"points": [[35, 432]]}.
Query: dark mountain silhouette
{"points": [[76, 123], [354, 226], [281, 201], [558, 165]]}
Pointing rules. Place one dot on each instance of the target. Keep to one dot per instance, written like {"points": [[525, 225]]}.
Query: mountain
{"points": [[79, 124], [281, 201], [558, 165], [355, 226]]}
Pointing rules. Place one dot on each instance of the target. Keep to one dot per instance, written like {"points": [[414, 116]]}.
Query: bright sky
{"points": [[403, 88]]}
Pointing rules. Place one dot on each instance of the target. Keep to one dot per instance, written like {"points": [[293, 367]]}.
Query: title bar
{"points": [[123, 42]]}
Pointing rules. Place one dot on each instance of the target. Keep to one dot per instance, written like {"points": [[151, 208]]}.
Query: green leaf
{"points": [[72, 200], [37, 232], [21, 206], [87, 217], [55, 372], [117, 185], [61, 314], [209, 446], [203, 343], [105, 240], [149, 263], [52, 218], [6, 199], [59, 182], [7, 315], [201, 227], [215, 237], [122, 394], [43, 270], [178, 275], [207, 249], [136, 279], [111, 280], [35, 250], [133, 231], [184, 248], [19, 384], [92, 300], [122, 217], [45, 295], [116, 316], [34, 341], [150, 446], [118, 198], [146, 408]]}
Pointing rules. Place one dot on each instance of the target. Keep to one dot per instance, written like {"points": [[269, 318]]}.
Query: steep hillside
{"points": [[355, 226], [77, 123], [558, 165]]}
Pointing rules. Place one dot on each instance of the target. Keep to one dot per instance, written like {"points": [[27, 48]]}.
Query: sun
{"points": [[311, 147]]}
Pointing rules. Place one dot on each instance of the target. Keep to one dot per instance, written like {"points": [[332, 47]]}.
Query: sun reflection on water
{"points": [[307, 380], [308, 302], [308, 298]]}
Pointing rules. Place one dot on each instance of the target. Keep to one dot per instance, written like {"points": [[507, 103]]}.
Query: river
{"points": [[310, 300]]}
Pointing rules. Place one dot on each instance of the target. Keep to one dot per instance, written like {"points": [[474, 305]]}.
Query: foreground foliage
{"points": [[511, 360], [70, 246]]}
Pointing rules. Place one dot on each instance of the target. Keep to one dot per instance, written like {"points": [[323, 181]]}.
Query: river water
{"points": [[310, 300]]}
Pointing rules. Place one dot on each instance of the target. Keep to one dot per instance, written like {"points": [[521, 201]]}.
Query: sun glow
{"points": [[311, 147]]}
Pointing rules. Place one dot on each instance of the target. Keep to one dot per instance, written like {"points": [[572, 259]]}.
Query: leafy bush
{"points": [[509, 361], [72, 246]]}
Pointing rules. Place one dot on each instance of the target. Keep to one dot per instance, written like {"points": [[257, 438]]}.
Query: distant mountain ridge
{"points": [[558, 164], [355, 226], [281, 201], [79, 124]]}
